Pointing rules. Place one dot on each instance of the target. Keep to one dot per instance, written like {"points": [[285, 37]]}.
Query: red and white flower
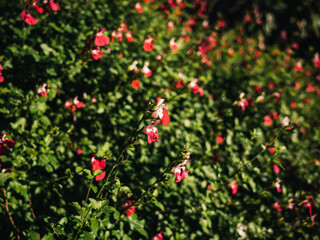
{"points": [[148, 45], [98, 165], [162, 113], [151, 131], [42, 90], [146, 70], [180, 171], [100, 39]]}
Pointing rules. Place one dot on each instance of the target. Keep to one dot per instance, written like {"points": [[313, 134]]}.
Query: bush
{"points": [[88, 154]]}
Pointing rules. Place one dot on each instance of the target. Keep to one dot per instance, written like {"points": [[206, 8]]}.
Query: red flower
{"points": [[79, 151], [267, 120], [276, 168], [54, 6], [173, 44], [179, 84], [158, 236], [165, 119], [139, 7], [148, 45], [96, 53], [219, 139], [271, 149], [101, 40], [146, 70], [39, 9], [98, 165], [310, 88], [152, 132], [135, 84], [234, 187], [276, 206], [28, 18], [129, 37]]}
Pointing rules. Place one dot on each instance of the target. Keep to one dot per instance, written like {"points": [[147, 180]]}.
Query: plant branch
{"points": [[18, 232]]}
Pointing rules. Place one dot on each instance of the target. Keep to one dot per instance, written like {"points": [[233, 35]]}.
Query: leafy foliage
{"points": [[245, 110]]}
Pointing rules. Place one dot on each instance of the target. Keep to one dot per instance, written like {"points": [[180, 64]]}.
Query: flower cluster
{"points": [[75, 104], [150, 130], [101, 39], [28, 18]]}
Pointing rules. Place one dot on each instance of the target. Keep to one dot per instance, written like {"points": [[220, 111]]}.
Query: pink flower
{"points": [[42, 90], [173, 44], [148, 45], [219, 139], [39, 9], [276, 206], [96, 53], [28, 18], [162, 113], [298, 67], [78, 103], [79, 151], [267, 120], [119, 36], [271, 85], [146, 70], [158, 236], [310, 88], [152, 132], [243, 102], [98, 165], [278, 186], [1, 77], [194, 86], [54, 6], [180, 171], [130, 209], [276, 168], [139, 7], [100, 39], [308, 204], [234, 187]]}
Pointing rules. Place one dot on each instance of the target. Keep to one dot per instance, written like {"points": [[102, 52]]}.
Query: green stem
{"points": [[116, 163], [87, 196]]}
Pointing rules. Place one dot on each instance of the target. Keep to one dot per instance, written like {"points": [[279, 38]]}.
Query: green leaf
{"points": [[3, 178], [88, 236], [94, 225], [46, 49]]}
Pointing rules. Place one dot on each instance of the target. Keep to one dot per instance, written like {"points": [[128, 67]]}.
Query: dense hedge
{"points": [[81, 81]]}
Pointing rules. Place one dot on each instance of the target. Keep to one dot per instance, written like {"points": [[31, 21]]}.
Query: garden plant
{"points": [[156, 119]]}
